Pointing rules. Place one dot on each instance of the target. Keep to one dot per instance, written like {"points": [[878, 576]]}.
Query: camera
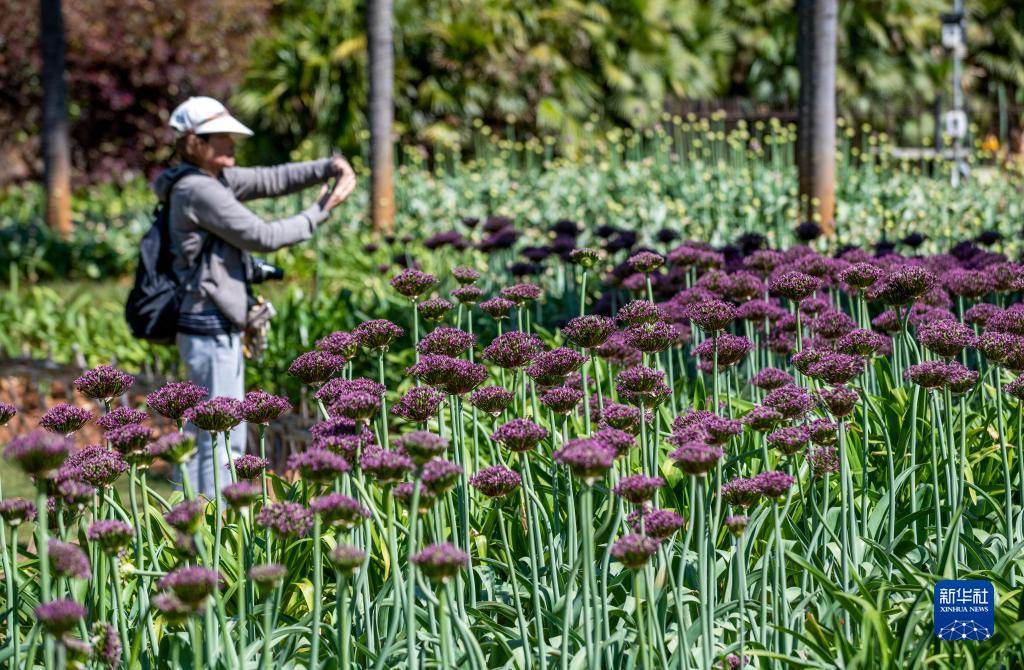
{"points": [[260, 271]]}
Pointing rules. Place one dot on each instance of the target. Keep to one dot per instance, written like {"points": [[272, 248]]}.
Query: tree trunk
{"points": [[816, 114], [55, 141], [382, 66]]}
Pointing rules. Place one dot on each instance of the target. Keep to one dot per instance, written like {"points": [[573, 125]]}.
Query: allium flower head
{"points": [[615, 350], [839, 400], [740, 492], [929, 375], [495, 481], [104, 382], [762, 418], [268, 575], [121, 416], [413, 283], [719, 430], [218, 415], [377, 334], [696, 458], [903, 286], [978, 315], [513, 350], [1007, 321], [315, 367], [793, 285], [174, 399], [769, 379], [249, 466], [7, 412], [803, 360], [59, 616], [824, 460], [440, 562], [731, 350], [711, 315], [617, 440], [421, 446], [386, 467], [339, 510], [107, 644], [550, 368], [634, 550], [418, 404], [465, 275], [446, 341], [110, 535], [638, 489], [945, 338], [174, 611], [792, 402], [967, 283], [832, 324], [15, 511], [434, 310], [68, 560], [192, 584], [659, 524], [318, 465], [467, 295], [356, 405], [439, 476], [286, 519], [38, 454], [339, 343], [587, 458], [622, 417], [836, 368], [737, 523], [861, 343], [861, 275], [492, 400], [789, 440], [772, 483], [497, 308], [822, 432], [521, 294], [242, 494], [64, 418], [561, 400], [646, 261], [637, 312], [175, 448], [334, 388], [403, 494], [650, 338], [584, 257], [185, 517], [639, 380], [519, 435], [260, 407], [129, 439], [347, 558]]}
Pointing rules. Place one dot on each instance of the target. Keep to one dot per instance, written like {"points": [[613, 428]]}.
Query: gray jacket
{"points": [[209, 211]]}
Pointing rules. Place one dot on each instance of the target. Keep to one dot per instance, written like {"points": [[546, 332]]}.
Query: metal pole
{"points": [[958, 94]]}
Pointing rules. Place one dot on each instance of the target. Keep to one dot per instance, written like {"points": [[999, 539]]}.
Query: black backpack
{"points": [[155, 300]]}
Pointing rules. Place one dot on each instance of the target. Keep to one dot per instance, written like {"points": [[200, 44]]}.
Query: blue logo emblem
{"points": [[965, 609]]}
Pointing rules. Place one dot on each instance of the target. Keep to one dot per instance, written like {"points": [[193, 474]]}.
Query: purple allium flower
{"points": [[521, 294], [561, 400], [657, 523], [497, 308], [638, 489], [492, 400], [793, 285], [622, 417], [769, 379], [639, 380], [336, 387], [260, 407], [38, 454], [824, 460], [789, 440], [861, 343], [377, 334], [421, 446], [59, 616], [286, 519], [519, 435], [315, 367], [587, 458], [347, 558], [174, 399], [792, 402], [589, 331], [174, 611], [339, 510], [759, 311], [513, 350], [646, 261], [446, 341], [467, 295], [7, 412], [386, 467], [637, 312], [96, 465], [979, 314], [74, 492], [339, 343], [822, 432], [719, 429], [772, 483], [945, 338], [129, 439], [193, 584], [838, 400], [242, 494], [110, 534], [740, 492], [1015, 388], [403, 494], [496, 481], [762, 419], [711, 315], [803, 360], [832, 324], [634, 550], [550, 368], [107, 644], [463, 377], [413, 283], [185, 517], [418, 404], [905, 285], [268, 575], [173, 447], [104, 382], [742, 286], [15, 511], [465, 275], [996, 346], [121, 416], [65, 419], [814, 306], [318, 465], [836, 368], [696, 458], [1007, 321], [861, 275], [218, 415], [355, 405], [650, 338], [439, 476], [929, 375], [737, 523], [731, 350], [68, 560], [440, 562], [434, 310], [616, 351], [249, 466], [763, 260], [585, 257], [967, 283]]}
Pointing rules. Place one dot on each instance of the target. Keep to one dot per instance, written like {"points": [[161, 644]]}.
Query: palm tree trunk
{"points": [[816, 114], [382, 66], [55, 141]]}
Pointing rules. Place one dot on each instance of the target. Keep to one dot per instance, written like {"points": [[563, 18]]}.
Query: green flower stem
{"points": [[261, 431], [1007, 481], [445, 660], [318, 589], [243, 577], [524, 631], [117, 595], [410, 597], [583, 293], [343, 619], [11, 569], [703, 581], [587, 521], [641, 626], [42, 550], [268, 627], [936, 496], [844, 525], [741, 591], [532, 539], [913, 460]]}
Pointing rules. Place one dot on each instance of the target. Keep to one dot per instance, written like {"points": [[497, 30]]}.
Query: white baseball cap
{"points": [[202, 116]]}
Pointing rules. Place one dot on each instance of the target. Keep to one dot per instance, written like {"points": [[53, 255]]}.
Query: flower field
{"points": [[544, 445]]}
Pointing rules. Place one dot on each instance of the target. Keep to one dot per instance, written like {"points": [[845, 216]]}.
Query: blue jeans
{"points": [[216, 362]]}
